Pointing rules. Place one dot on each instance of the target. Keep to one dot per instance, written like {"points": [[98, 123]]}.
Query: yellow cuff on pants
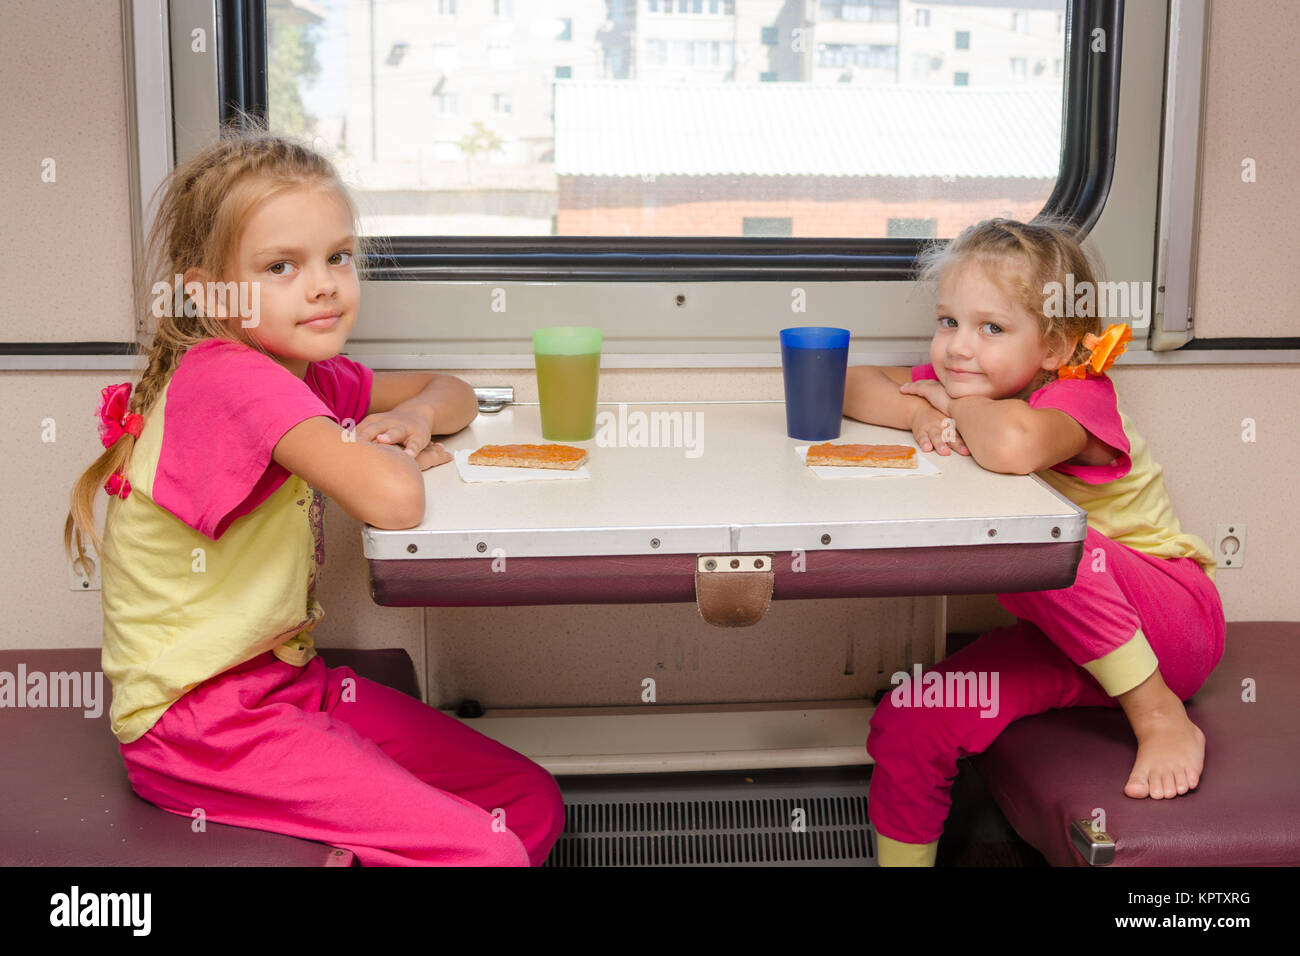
{"points": [[1125, 667], [893, 853]]}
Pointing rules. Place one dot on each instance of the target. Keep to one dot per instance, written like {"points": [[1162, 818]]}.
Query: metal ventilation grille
{"points": [[720, 827]]}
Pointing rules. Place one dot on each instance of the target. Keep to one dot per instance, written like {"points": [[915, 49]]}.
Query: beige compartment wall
{"points": [[64, 279], [66, 269], [1248, 248]]}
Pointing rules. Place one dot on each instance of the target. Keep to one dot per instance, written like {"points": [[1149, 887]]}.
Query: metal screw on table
{"points": [[481, 546], [1056, 532], [710, 565], [735, 563], [993, 532], [759, 564], [411, 549], [826, 539], [654, 542]]}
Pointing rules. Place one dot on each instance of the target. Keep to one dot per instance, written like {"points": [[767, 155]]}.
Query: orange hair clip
{"points": [[1105, 349]]}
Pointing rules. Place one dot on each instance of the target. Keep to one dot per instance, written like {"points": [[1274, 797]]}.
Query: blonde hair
{"points": [[204, 204], [1023, 259]]}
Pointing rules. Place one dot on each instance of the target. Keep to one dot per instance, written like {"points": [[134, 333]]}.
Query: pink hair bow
{"points": [[114, 422]]}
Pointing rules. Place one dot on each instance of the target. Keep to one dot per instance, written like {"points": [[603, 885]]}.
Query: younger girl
{"points": [[215, 466], [1018, 384]]}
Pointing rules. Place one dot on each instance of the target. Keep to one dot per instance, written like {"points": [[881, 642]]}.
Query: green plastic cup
{"points": [[568, 369]]}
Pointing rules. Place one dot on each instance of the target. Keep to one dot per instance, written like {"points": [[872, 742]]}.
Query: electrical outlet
{"points": [[77, 578], [1230, 545]]}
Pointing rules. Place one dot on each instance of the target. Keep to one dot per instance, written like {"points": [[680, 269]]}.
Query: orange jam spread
{"points": [[863, 452], [532, 453]]}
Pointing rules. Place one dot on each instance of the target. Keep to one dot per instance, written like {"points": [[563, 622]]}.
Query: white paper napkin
{"points": [[470, 472], [923, 467]]}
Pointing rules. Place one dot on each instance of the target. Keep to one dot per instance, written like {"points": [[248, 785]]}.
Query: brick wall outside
{"points": [[818, 206]]}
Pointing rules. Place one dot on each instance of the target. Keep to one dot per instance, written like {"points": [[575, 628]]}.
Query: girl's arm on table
{"points": [[871, 395], [993, 429], [448, 402], [441, 405], [1015, 437]]}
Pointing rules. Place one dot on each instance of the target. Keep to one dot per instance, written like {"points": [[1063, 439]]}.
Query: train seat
{"points": [[65, 799], [1049, 770]]}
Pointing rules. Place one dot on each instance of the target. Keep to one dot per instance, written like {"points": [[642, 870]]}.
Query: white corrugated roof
{"points": [[637, 128]]}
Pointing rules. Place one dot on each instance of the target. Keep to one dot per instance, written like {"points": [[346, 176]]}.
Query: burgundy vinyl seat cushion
{"points": [[1047, 770], [65, 799]]}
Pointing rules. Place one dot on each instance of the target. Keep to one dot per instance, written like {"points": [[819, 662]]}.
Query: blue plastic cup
{"points": [[814, 361]]}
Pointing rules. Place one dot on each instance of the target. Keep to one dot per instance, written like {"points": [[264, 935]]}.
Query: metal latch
{"points": [[733, 590], [1096, 846], [494, 398], [732, 562]]}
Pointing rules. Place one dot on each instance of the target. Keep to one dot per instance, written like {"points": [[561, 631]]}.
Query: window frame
{"points": [[1089, 128]]}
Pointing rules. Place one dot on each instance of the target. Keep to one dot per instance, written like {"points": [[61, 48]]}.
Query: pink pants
{"points": [[1038, 660], [270, 746]]}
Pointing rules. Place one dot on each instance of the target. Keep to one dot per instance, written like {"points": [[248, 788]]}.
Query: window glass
{"points": [[689, 118]]}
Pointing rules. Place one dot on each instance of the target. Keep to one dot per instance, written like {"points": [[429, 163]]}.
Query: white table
{"points": [[740, 490]]}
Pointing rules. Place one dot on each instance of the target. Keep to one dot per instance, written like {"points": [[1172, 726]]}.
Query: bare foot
{"points": [[1171, 755], [1171, 749]]}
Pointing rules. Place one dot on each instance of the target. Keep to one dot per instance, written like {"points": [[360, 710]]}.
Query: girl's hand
{"points": [[408, 430], [931, 427], [931, 390], [432, 455], [935, 431]]}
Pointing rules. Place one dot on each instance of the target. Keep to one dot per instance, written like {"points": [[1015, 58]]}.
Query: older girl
{"points": [[216, 466]]}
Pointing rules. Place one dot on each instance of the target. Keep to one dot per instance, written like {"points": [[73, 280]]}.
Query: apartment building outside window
{"points": [[711, 7], [446, 56], [501, 56], [876, 11], [701, 53], [875, 56]]}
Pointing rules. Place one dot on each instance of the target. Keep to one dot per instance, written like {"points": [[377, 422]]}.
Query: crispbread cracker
{"points": [[862, 456], [561, 457]]}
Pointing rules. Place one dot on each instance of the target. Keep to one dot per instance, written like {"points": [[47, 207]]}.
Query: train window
{"points": [[672, 135], [637, 148]]}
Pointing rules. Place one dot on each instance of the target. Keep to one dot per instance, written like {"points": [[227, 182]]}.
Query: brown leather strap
{"points": [[733, 598]]}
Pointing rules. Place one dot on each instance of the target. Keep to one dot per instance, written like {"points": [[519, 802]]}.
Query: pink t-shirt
{"points": [[215, 556], [228, 405], [1093, 404]]}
